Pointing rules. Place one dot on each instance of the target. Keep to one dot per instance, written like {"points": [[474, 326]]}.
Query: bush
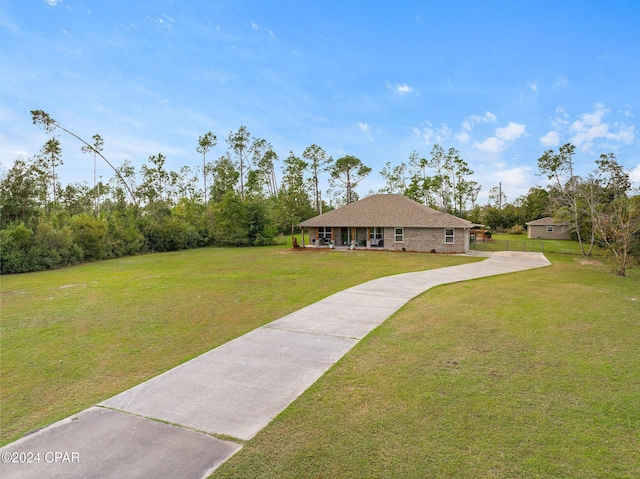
{"points": [[242, 223], [170, 233], [53, 248], [517, 230], [124, 238], [15, 244], [90, 234]]}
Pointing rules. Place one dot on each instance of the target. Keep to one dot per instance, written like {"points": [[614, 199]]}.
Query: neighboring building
{"points": [[546, 228], [479, 233], [390, 222]]}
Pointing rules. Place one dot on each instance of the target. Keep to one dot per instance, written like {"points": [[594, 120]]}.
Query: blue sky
{"points": [[501, 81]]}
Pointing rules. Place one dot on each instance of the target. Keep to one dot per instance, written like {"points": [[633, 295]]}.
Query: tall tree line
{"points": [[247, 196]]}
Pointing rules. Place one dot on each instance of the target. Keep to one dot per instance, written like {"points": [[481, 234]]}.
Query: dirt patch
{"points": [[592, 262], [70, 286]]}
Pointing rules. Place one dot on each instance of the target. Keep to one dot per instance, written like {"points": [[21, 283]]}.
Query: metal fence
{"points": [[531, 245]]}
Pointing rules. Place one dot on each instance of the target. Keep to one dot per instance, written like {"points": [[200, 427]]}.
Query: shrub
{"points": [[15, 244], [53, 248], [90, 234]]}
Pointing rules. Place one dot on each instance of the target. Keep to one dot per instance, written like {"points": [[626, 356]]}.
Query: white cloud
{"points": [[468, 124], [498, 143], [533, 86], [400, 89], [511, 131], [429, 134], [20, 153], [590, 127], [550, 139], [424, 134], [562, 80], [487, 117], [255, 26], [53, 3], [463, 137], [492, 145], [363, 126], [634, 175]]}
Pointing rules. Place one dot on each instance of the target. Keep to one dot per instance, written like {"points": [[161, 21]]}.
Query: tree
{"points": [[395, 178], [440, 183], [240, 143], [225, 178], [459, 171], [617, 226], [348, 172], [264, 176], [49, 159], [416, 187], [294, 204], [93, 150], [535, 204], [614, 216], [155, 179], [473, 189], [205, 143], [318, 162], [497, 197], [21, 192], [45, 121], [558, 168]]}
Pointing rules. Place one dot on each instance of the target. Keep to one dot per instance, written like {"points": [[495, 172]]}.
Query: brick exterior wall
{"points": [[426, 240], [415, 239]]}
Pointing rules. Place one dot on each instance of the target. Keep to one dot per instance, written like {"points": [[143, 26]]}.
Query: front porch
{"points": [[346, 237]]}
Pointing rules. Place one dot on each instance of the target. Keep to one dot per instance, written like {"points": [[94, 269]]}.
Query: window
{"points": [[398, 237], [375, 236], [324, 233], [449, 237], [549, 229], [375, 233]]}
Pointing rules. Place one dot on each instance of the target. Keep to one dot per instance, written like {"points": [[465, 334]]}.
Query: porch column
{"points": [[303, 236]]}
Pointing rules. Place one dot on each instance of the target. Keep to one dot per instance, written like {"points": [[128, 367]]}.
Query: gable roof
{"points": [[387, 210], [546, 221]]}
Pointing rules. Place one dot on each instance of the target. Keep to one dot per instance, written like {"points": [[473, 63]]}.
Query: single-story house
{"points": [[547, 228], [390, 222]]}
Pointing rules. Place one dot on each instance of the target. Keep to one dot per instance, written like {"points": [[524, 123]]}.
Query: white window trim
{"points": [[326, 230], [396, 235], [452, 236], [549, 228]]}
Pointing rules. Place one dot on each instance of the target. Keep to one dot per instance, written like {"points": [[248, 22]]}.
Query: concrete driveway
{"points": [[190, 419]]}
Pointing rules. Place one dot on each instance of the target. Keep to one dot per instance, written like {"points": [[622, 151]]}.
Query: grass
{"points": [[511, 242], [74, 337], [527, 375]]}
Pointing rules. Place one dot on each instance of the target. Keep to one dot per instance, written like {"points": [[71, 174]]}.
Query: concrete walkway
{"points": [[165, 427]]}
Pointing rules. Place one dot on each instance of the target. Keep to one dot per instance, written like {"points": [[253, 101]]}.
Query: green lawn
{"points": [[527, 375], [511, 242], [73, 337]]}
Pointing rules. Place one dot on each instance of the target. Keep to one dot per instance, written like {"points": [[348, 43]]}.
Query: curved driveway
{"points": [[167, 426]]}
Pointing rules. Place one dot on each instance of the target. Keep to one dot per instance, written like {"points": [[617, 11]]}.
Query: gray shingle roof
{"points": [[387, 210], [546, 221]]}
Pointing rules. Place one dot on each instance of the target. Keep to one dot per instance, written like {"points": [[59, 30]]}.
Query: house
{"points": [[547, 228], [389, 222]]}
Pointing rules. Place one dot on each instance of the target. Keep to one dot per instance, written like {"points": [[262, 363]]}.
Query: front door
{"points": [[345, 236]]}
